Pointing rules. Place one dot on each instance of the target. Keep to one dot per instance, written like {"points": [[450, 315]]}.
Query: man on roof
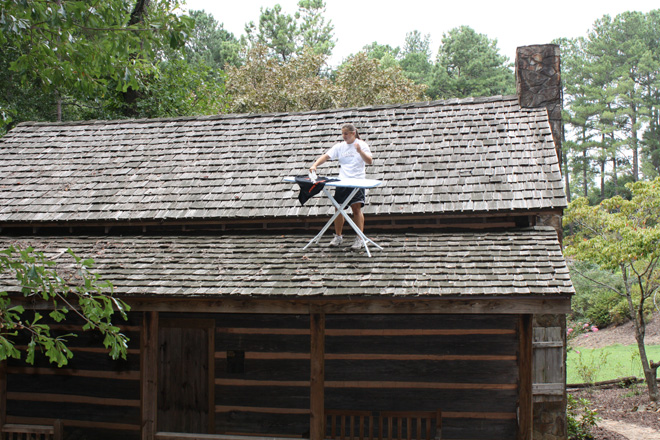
{"points": [[353, 155]]}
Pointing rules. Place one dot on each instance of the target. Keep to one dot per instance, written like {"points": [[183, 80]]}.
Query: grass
{"points": [[607, 363]]}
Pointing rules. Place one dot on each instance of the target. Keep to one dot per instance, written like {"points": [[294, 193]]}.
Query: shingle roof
{"points": [[454, 156], [522, 262]]}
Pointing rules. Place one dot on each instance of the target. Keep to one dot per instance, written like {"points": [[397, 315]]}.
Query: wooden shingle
{"points": [[455, 156], [507, 263]]}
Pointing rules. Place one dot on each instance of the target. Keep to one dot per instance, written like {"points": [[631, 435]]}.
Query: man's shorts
{"points": [[342, 193]]}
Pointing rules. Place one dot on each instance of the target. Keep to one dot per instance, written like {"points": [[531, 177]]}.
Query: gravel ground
{"points": [[630, 405], [628, 410]]}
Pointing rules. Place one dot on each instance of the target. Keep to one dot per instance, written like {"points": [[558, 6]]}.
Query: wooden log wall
{"points": [[94, 396], [467, 366], [464, 365], [262, 374]]}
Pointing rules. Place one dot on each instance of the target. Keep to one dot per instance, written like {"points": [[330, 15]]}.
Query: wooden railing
{"points": [[184, 436], [15, 431], [383, 425], [352, 425]]}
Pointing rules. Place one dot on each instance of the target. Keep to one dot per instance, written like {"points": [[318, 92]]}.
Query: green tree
{"points": [[288, 35], [579, 116], [386, 54], [651, 137], [469, 64], [263, 84], [363, 81], [175, 88], [313, 31], [209, 43], [416, 58], [74, 53], [73, 289], [277, 31], [623, 237]]}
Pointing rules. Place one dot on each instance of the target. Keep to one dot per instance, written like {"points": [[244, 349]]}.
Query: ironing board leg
{"points": [[340, 210]]}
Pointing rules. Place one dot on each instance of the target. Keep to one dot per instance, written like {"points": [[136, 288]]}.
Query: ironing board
{"points": [[356, 184]]}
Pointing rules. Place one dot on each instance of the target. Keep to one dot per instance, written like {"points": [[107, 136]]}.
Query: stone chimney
{"points": [[538, 83]]}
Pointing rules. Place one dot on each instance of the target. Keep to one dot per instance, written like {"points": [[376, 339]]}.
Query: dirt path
{"points": [[630, 430]]}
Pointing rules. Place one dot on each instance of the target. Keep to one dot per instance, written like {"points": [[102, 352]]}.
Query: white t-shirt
{"points": [[351, 163]]}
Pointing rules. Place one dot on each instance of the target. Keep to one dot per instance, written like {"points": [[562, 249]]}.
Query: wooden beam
{"points": [[149, 375], [3, 392], [376, 356], [72, 398], [317, 377], [110, 426], [368, 332], [460, 219], [510, 305], [99, 374], [525, 409], [211, 375]]}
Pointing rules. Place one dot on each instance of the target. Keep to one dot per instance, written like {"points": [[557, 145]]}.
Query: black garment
{"points": [[309, 188]]}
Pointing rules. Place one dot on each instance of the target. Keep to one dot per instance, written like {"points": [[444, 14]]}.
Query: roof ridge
{"points": [[418, 104]]}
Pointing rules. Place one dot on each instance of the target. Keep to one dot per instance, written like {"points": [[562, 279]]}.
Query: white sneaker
{"points": [[337, 240], [357, 244]]}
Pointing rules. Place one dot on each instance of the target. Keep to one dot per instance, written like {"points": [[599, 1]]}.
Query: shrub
{"points": [[581, 418]]}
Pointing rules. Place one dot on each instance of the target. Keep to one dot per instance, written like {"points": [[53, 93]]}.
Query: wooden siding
{"points": [[465, 366], [93, 394]]}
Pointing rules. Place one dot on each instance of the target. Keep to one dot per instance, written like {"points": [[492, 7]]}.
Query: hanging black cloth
{"points": [[309, 188]]}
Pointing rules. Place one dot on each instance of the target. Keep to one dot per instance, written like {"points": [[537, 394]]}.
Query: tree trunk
{"points": [[635, 143], [640, 332], [584, 174], [567, 181], [649, 373], [615, 181]]}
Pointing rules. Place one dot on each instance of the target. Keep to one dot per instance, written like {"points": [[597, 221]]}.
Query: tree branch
{"points": [[598, 282]]}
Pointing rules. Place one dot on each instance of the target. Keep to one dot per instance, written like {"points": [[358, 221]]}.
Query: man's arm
{"points": [[321, 160], [366, 157]]}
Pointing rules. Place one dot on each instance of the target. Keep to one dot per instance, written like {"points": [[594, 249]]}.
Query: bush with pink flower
{"points": [[579, 329]]}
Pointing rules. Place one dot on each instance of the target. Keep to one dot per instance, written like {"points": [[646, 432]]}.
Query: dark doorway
{"points": [[185, 376]]}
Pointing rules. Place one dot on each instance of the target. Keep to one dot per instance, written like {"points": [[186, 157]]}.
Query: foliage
{"points": [[210, 44], [363, 81], [79, 291], [74, 46], [179, 88], [287, 35], [469, 64], [313, 31], [75, 57], [612, 102], [386, 54], [594, 303], [581, 418], [263, 84], [623, 236], [587, 369], [416, 58]]}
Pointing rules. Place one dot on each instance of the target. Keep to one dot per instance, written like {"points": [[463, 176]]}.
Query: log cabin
{"points": [[237, 332]]}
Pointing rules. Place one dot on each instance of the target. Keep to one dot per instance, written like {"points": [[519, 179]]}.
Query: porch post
{"points": [[317, 379], [149, 375], [3, 393], [525, 401]]}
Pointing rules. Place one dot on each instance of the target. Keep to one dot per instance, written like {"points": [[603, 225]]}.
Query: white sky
{"points": [[360, 22]]}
